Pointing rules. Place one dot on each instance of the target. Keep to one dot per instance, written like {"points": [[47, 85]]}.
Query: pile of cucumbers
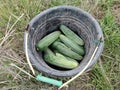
{"points": [[62, 48]]}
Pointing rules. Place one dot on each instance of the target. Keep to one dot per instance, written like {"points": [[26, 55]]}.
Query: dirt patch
{"points": [[81, 83], [116, 12], [98, 13]]}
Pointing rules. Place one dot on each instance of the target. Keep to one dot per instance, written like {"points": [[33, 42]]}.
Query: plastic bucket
{"points": [[76, 19]]}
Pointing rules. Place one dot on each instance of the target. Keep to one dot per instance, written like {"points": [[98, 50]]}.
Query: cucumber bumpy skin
{"points": [[71, 59], [60, 47], [71, 35], [59, 60], [47, 40], [71, 44]]}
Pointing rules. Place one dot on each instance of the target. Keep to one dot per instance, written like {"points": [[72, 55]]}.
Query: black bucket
{"points": [[76, 19]]}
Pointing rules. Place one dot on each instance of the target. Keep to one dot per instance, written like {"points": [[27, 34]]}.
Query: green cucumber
{"points": [[47, 40], [71, 59], [60, 47], [71, 44], [59, 60], [71, 35]]}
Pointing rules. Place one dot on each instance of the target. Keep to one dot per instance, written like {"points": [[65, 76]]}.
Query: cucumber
{"points": [[48, 55], [59, 60], [60, 47], [71, 59], [47, 40], [58, 40], [49, 51], [71, 35], [72, 63], [71, 44]]}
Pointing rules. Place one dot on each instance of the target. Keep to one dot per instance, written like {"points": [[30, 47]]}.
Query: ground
{"points": [[15, 15]]}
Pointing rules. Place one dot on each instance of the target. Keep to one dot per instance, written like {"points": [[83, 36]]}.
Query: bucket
{"points": [[81, 22]]}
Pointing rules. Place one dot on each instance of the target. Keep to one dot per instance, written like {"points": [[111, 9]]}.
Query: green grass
{"points": [[15, 15]]}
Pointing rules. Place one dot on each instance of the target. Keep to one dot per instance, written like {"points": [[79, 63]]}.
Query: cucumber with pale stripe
{"points": [[47, 40], [60, 47], [58, 60], [71, 35], [71, 44]]}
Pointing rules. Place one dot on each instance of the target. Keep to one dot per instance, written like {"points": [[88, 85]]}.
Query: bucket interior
{"points": [[50, 21], [53, 24]]}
